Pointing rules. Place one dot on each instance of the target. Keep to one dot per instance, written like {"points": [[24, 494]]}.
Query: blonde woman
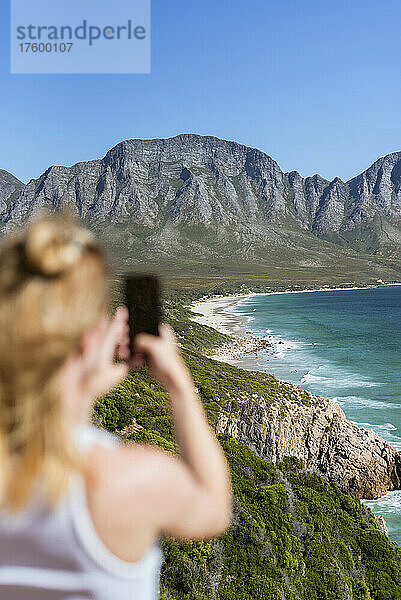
{"points": [[81, 515]]}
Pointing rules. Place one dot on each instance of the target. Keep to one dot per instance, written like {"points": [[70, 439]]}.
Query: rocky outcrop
{"points": [[239, 346], [221, 192], [382, 524], [318, 433], [10, 189], [330, 214]]}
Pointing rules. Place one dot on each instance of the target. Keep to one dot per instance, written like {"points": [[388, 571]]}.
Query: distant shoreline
{"points": [[242, 351], [306, 291]]}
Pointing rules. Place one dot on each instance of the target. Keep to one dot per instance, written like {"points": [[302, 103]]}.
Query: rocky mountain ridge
{"points": [[10, 189], [198, 192]]}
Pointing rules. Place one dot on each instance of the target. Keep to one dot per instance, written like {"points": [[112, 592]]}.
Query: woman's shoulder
{"points": [[111, 456], [117, 487]]}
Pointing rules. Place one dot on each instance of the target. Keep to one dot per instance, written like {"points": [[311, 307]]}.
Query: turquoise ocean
{"points": [[343, 344]]}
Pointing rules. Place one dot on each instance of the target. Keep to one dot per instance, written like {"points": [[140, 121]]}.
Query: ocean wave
{"points": [[280, 350], [390, 503], [339, 380], [360, 402], [281, 347], [310, 378]]}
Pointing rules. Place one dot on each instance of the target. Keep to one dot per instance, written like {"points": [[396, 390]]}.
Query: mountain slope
{"points": [[211, 199], [10, 189]]}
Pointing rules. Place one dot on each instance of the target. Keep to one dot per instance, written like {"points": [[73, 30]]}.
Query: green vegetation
{"points": [[294, 536]]}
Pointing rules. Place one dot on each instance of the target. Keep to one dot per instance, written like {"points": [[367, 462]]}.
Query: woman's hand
{"points": [[122, 346], [159, 353], [100, 346]]}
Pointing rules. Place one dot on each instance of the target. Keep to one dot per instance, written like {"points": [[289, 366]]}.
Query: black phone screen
{"points": [[142, 297]]}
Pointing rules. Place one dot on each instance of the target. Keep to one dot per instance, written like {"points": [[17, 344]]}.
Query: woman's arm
{"points": [[194, 498]]}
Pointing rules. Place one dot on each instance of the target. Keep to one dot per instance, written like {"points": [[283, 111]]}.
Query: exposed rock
{"points": [[129, 429], [382, 524], [330, 214], [318, 433], [239, 346], [10, 188], [204, 193]]}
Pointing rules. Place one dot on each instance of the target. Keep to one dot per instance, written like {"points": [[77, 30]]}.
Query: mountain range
{"points": [[202, 198]]}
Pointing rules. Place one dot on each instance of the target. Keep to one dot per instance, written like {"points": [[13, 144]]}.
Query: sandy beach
{"points": [[244, 348], [212, 312]]}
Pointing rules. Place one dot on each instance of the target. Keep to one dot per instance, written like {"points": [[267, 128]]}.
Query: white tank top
{"points": [[56, 554]]}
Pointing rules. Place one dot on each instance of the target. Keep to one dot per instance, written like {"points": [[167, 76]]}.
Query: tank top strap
{"points": [[85, 437]]}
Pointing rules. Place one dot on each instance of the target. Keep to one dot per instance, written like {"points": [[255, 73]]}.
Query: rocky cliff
{"points": [[10, 189], [198, 192], [318, 433]]}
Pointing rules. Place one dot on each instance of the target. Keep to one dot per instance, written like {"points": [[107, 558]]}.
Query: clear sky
{"points": [[313, 83]]}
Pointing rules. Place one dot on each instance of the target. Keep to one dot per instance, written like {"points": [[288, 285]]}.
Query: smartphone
{"points": [[142, 297]]}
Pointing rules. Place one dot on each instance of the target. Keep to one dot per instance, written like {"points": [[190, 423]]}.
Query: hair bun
{"points": [[53, 244]]}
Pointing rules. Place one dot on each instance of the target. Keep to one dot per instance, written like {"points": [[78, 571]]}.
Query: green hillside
{"points": [[294, 536]]}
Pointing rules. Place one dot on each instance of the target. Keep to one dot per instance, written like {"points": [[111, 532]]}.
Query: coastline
{"points": [[238, 297], [243, 350], [244, 346], [216, 312]]}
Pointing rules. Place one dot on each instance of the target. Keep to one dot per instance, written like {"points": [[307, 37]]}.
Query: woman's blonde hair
{"points": [[54, 285]]}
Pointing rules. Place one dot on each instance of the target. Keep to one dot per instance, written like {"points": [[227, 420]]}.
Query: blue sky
{"points": [[314, 84]]}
